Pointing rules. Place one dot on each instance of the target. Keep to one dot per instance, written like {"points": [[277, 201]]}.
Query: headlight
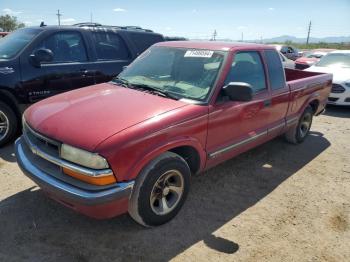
{"points": [[82, 157]]}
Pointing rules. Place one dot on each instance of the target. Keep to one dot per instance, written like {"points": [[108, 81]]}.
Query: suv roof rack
{"points": [[88, 24], [136, 28]]}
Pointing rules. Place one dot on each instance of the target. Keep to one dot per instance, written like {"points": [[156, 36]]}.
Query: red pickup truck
{"points": [[180, 108]]}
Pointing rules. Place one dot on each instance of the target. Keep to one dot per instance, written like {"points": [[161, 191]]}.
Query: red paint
{"points": [[130, 128]]}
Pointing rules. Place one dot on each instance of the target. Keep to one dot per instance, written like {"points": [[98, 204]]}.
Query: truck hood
{"points": [[86, 117], [340, 74]]}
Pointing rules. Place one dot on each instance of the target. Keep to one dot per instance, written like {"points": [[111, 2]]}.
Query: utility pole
{"points": [[214, 35], [59, 17], [242, 37], [308, 33], [91, 17]]}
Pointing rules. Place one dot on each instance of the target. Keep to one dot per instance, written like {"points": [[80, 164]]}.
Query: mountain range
{"points": [[284, 38]]}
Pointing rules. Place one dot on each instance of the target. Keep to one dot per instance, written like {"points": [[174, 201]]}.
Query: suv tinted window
{"points": [[142, 41], [247, 67], [66, 47], [109, 46], [276, 71]]}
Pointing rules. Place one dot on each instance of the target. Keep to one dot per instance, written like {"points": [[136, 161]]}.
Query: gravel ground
{"points": [[278, 202]]}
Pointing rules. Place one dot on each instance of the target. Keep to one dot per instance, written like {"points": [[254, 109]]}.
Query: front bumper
{"points": [[103, 203], [342, 99]]}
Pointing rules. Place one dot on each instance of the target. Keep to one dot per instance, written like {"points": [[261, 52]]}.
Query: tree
{"points": [[9, 23]]}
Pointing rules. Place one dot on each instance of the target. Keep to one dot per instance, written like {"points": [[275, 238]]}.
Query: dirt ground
{"points": [[278, 202]]}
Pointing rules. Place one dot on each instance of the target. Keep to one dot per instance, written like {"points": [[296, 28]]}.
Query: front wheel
{"points": [[160, 190], [8, 124], [298, 133]]}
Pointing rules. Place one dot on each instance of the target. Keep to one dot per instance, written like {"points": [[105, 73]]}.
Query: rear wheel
{"points": [[160, 190], [8, 124], [298, 133]]}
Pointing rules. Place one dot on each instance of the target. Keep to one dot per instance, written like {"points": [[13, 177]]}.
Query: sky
{"points": [[196, 19]]}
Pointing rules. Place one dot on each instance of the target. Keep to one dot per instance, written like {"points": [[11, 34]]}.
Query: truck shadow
{"points": [[35, 227], [337, 111]]}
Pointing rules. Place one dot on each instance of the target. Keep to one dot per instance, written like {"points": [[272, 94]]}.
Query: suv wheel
{"points": [[160, 190], [8, 124], [298, 133]]}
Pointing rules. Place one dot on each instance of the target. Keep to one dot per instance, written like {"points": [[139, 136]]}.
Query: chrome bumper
{"points": [[61, 189]]}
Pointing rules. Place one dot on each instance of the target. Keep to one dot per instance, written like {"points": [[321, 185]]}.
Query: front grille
{"points": [[301, 66], [337, 89], [333, 99], [45, 144]]}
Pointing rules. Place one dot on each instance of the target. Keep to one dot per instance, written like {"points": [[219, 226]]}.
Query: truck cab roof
{"points": [[214, 45]]}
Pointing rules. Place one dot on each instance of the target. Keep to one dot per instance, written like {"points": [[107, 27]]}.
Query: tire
{"points": [[151, 189], [298, 133], [8, 124]]}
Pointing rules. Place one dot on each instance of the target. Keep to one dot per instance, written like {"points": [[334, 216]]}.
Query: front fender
{"points": [[156, 150]]}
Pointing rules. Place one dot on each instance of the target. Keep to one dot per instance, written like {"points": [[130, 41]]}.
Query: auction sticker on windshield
{"points": [[199, 53]]}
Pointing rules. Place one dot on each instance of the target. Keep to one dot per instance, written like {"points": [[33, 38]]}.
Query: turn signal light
{"points": [[94, 180]]}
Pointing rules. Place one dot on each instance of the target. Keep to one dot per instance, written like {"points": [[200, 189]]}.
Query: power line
{"points": [[59, 17], [308, 33]]}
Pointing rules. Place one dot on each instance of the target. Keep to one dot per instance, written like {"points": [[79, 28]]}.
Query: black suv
{"points": [[38, 62]]}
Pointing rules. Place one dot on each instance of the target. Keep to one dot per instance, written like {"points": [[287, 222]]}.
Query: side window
{"points": [[66, 47], [142, 40], [247, 67], [276, 71], [110, 46]]}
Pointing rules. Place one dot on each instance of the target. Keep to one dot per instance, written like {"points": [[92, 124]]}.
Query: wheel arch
{"points": [[9, 99], [189, 149]]}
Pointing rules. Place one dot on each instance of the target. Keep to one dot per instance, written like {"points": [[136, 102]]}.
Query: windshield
{"points": [[335, 59], [13, 43], [179, 72]]}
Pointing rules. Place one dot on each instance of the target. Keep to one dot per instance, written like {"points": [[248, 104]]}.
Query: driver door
{"points": [[234, 126]]}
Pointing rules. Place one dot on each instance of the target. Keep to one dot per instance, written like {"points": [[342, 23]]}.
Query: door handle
{"points": [[267, 103]]}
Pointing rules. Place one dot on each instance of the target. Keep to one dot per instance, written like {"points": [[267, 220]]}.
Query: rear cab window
{"points": [[275, 70], [110, 46], [248, 67]]}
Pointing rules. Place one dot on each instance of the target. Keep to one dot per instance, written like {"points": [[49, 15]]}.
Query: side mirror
{"points": [[40, 56], [239, 91]]}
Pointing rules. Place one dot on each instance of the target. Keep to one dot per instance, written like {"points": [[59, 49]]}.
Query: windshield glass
{"points": [[184, 73], [335, 59], [14, 42]]}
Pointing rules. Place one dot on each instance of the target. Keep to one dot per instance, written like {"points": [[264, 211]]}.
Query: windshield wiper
{"points": [[156, 91], [121, 81]]}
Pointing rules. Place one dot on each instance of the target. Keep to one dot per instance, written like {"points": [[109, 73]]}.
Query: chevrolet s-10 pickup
{"points": [[132, 144]]}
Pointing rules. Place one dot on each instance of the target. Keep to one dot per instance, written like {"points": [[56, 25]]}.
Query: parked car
{"points": [[3, 34], [287, 63], [38, 62], [289, 51], [178, 109], [308, 59], [338, 64]]}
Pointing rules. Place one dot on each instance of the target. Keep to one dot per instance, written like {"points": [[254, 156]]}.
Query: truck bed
{"points": [[305, 86]]}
